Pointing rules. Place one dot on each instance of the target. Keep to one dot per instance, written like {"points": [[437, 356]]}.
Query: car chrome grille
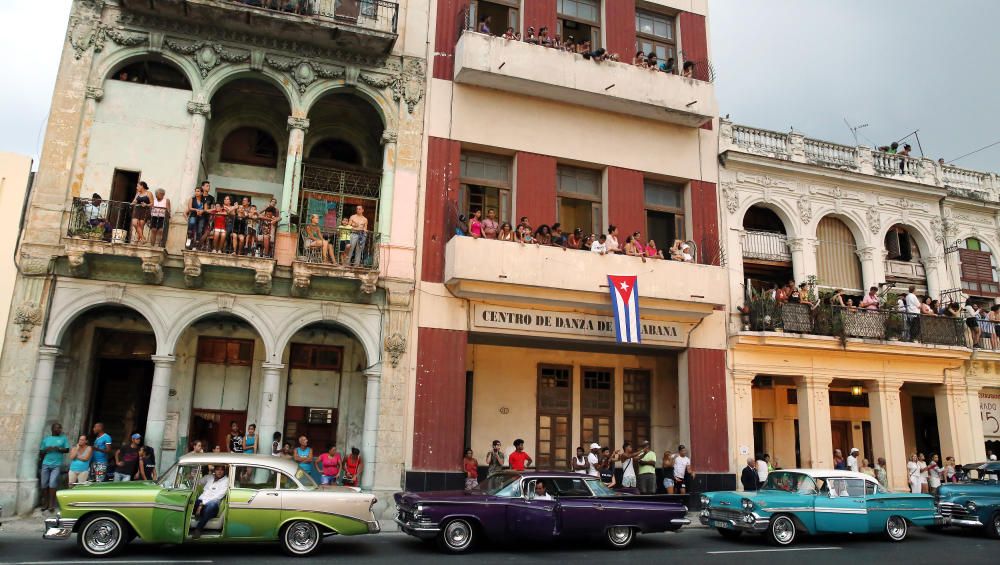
{"points": [[952, 510], [725, 514], [406, 516]]}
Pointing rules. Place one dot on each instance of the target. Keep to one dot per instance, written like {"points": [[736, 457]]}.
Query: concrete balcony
{"points": [[533, 70], [195, 263], [363, 26], [500, 271]]}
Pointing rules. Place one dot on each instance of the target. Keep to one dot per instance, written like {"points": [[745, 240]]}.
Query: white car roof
{"points": [[828, 473]]}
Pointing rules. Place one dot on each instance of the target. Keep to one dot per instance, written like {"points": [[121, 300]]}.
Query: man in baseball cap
{"points": [[852, 459], [593, 459]]}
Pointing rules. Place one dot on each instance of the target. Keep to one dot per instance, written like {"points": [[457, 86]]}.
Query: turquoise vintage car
{"points": [[974, 502], [809, 501], [269, 499]]}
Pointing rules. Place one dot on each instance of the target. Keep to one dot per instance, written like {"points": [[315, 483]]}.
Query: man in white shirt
{"points": [[540, 493], [852, 459], [593, 459], [682, 469], [207, 505], [600, 246], [912, 305], [762, 468]]}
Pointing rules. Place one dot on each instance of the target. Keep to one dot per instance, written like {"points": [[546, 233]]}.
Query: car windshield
{"points": [[502, 485], [600, 489], [790, 482], [169, 477], [975, 473], [307, 481]]}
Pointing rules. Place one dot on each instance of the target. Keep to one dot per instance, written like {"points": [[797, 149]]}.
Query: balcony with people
{"points": [[569, 63], [366, 26]]}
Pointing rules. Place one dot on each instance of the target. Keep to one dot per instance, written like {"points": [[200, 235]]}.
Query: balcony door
{"points": [[554, 413], [636, 394], [597, 403]]}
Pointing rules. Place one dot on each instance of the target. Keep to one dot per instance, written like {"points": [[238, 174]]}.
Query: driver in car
{"points": [[207, 505], [540, 493]]}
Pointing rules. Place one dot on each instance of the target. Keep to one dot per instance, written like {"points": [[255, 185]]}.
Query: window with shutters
{"points": [[579, 21], [664, 212], [554, 409], [578, 199], [485, 185], [837, 259], [979, 269], [636, 394], [900, 246], [597, 404]]}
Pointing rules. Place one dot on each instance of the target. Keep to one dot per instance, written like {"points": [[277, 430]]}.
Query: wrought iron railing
{"points": [[119, 223], [851, 322], [246, 233], [346, 248], [379, 15], [766, 246], [334, 180]]}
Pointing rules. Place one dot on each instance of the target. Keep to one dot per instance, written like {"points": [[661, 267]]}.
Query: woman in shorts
{"points": [[159, 214]]}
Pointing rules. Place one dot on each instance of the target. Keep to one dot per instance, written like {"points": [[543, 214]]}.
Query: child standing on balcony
{"points": [[343, 238], [218, 228]]}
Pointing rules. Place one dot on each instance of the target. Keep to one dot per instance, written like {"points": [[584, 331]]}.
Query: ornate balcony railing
{"points": [[341, 181], [117, 223], [766, 246], [373, 14], [850, 322], [345, 249], [792, 146]]}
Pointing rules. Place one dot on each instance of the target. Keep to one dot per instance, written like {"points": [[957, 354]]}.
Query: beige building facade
{"points": [[807, 379], [15, 182], [127, 316]]}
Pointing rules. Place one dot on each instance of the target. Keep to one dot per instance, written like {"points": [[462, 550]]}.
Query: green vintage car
{"points": [[268, 499], [811, 501]]}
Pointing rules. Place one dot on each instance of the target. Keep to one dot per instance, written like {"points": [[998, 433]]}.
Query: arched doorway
{"points": [[903, 266]]}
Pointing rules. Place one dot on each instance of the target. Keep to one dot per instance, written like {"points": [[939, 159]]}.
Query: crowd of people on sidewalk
{"points": [[628, 468], [478, 227]]}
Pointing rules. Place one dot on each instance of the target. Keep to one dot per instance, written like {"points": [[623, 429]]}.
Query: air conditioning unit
{"points": [[320, 416]]}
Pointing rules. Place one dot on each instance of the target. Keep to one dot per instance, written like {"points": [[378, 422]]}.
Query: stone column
{"points": [[887, 430], [961, 434], [369, 434], [743, 416], [156, 417], [200, 112], [385, 199], [803, 258], [815, 437], [297, 128], [93, 94], [270, 394], [38, 408], [872, 266]]}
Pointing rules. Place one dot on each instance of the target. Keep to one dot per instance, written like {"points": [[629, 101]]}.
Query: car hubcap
{"points": [[620, 535], [102, 535], [302, 537], [996, 524], [458, 534], [897, 527], [784, 530]]}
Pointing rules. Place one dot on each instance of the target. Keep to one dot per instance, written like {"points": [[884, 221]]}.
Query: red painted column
{"points": [[536, 188], [441, 204], [619, 25], [705, 221], [707, 410], [439, 408], [538, 13], [450, 19], [626, 202]]}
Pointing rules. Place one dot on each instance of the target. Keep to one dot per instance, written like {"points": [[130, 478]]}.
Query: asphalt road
{"points": [[694, 545]]}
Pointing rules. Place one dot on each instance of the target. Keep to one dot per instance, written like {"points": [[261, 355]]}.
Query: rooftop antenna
{"points": [[915, 133], [854, 130]]}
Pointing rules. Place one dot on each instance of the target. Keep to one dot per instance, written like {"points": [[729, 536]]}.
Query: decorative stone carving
{"points": [[192, 270], [156, 41], [395, 346], [389, 136], [95, 93], [867, 253], [369, 281], [114, 293], [207, 55], [805, 209], [77, 263], [765, 181], [262, 279], [330, 311], [874, 221], [303, 71], [226, 302], [257, 60], [937, 229], [406, 81], [298, 123], [85, 33], [351, 73], [152, 268], [202, 108], [34, 264], [732, 197], [27, 316]]}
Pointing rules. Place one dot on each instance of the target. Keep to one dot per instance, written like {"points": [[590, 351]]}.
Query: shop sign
{"points": [[569, 324], [170, 431], [989, 411]]}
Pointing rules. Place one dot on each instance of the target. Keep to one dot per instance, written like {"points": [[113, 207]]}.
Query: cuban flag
{"points": [[625, 303]]}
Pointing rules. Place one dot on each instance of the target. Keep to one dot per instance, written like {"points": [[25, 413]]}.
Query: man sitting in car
{"points": [[540, 493], [207, 505]]}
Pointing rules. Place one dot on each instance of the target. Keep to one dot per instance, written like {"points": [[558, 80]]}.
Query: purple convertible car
{"points": [[537, 506]]}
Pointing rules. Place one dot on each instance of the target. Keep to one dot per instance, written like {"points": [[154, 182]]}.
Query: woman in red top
{"points": [[476, 224], [352, 468], [471, 467], [218, 228]]}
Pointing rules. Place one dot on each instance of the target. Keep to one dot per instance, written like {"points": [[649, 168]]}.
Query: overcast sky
{"points": [[808, 64]]}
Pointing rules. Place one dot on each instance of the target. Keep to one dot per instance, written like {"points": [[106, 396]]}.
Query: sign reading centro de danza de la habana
{"points": [[534, 321]]}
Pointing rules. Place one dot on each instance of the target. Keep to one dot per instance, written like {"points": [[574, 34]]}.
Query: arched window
{"points": [[335, 150], [153, 73], [836, 256], [979, 268], [900, 246], [250, 146], [764, 238]]}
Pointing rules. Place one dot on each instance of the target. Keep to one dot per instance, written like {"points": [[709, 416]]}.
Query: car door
{"points": [[173, 503], [529, 519], [840, 506], [254, 503], [580, 514]]}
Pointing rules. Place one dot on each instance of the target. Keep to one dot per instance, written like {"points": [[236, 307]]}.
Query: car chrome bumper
{"points": [[962, 523], [680, 522], [422, 530], [757, 525], [58, 528]]}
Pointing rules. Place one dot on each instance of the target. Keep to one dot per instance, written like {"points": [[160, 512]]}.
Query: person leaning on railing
{"points": [[95, 214]]}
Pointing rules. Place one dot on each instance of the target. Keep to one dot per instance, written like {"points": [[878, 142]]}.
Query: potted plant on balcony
{"points": [[760, 312], [894, 325]]}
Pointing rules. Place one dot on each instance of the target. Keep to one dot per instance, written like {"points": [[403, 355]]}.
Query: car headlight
{"points": [[747, 504], [705, 501], [971, 506]]}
